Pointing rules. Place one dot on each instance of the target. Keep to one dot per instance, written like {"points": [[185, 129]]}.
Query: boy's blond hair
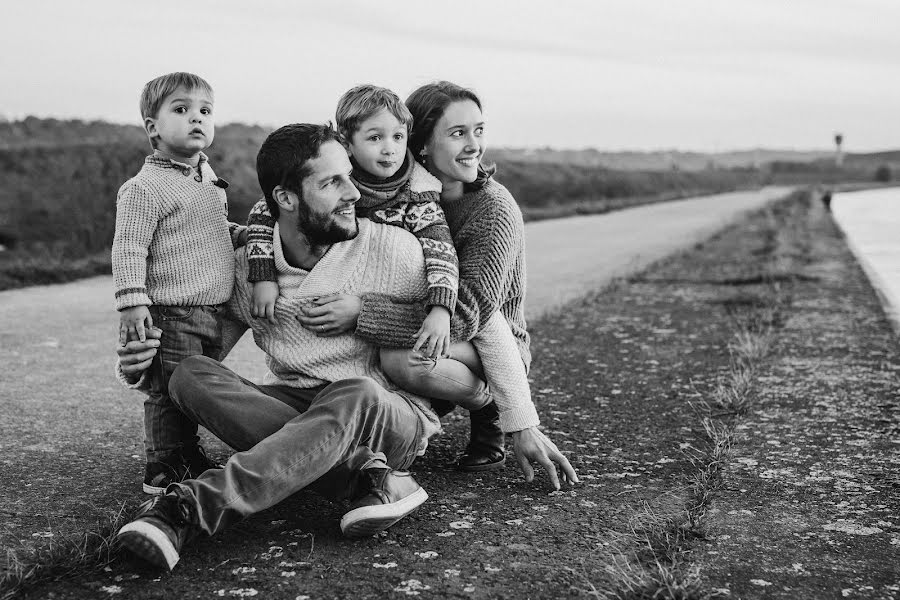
{"points": [[361, 102]]}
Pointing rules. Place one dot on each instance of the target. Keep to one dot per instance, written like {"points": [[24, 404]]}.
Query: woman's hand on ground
{"points": [[331, 315], [135, 356], [532, 445]]}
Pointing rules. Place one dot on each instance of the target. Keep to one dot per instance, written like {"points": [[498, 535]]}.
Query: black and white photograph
{"points": [[314, 300]]}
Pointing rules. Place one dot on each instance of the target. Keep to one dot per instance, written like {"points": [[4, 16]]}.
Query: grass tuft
{"points": [[28, 566]]}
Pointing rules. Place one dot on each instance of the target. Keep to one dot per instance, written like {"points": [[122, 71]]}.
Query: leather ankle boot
{"points": [[485, 449]]}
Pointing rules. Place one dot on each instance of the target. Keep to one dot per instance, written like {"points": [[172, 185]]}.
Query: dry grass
{"points": [[650, 560], [28, 566]]}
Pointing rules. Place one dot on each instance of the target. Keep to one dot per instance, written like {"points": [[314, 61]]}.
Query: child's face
{"points": [[379, 145], [184, 125]]}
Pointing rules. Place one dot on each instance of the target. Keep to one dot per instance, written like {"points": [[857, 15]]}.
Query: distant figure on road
{"points": [[826, 200], [328, 417]]}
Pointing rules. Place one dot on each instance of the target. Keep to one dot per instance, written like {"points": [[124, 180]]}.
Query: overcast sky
{"points": [[629, 74]]}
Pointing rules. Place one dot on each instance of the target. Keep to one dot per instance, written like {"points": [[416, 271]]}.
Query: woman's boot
{"points": [[485, 449]]}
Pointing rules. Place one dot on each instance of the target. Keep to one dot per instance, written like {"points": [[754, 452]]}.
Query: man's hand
{"points": [[532, 445], [265, 293], [433, 337], [133, 323], [331, 315], [135, 356]]}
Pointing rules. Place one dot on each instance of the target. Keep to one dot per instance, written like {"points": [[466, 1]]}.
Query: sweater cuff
{"points": [[519, 418], [262, 269], [442, 296], [132, 297], [141, 384]]}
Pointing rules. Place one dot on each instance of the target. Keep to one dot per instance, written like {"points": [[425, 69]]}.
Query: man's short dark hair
{"points": [[283, 158]]}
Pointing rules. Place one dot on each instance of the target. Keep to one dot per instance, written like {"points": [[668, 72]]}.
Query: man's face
{"points": [[326, 213]]}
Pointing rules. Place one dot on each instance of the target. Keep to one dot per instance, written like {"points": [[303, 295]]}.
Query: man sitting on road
{"points": [[328, 419]]}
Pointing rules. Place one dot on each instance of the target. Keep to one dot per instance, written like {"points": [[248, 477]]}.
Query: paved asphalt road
{"points": [[56, 342]]}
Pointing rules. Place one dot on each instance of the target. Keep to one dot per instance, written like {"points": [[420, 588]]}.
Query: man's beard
{"points": [[322, 229]]}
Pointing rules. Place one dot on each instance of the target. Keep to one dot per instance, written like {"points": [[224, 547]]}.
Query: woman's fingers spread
{"points": [[548, 465], [567, 469], [525, 466]]}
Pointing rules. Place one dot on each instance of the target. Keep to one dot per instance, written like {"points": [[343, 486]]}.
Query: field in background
{"points": [[58, 183]]}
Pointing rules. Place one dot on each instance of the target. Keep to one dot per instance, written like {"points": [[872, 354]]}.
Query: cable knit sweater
{"points": [[173, 243], [489, 236], [381, 258], [409, 200]]}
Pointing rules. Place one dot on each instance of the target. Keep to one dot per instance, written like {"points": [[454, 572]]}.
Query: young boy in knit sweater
{"points": [[395, 190], [173, 262]]}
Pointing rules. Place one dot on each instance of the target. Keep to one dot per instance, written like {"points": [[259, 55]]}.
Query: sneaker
{"points": [[196, 461], [391, 496], [159, 475], [161, 527]]}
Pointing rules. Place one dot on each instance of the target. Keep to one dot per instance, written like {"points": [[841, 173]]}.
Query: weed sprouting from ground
{"points": [[63, 556], [650, 560]]}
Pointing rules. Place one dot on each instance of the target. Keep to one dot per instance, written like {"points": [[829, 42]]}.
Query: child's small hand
{"points": [[132, 323], [265, 293], [433, 337]]}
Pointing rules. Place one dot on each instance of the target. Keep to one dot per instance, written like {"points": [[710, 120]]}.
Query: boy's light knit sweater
{"points": [[173, 243], [383, 259], [489, 236]]}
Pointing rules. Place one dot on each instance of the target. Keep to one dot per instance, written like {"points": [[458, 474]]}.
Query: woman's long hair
{"points": [[427, 105]]}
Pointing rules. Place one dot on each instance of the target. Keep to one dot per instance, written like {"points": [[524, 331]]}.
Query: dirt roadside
{"points": [[620, 379]]}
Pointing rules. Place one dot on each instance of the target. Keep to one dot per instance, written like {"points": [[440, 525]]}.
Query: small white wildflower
{"points": [[111, 589], [387, 565], [427, 554], [288, 573]]}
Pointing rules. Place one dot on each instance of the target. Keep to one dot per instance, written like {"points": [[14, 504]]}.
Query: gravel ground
{"points": [[614, 374]]}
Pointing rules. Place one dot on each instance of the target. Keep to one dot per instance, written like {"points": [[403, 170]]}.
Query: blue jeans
{"points": [[288, 438], [187, 331]]}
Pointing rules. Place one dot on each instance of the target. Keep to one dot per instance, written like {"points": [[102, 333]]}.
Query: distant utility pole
{"points": [[838, 151]]}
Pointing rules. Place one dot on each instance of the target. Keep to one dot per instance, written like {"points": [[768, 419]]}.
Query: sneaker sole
{"points": [[494, 466], [369, 520], [152, 489], [149, 543]]}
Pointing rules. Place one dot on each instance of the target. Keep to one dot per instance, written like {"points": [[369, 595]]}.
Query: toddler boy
{"points": [[173, 262]]}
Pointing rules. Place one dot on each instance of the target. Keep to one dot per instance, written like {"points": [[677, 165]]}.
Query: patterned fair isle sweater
{"points": [[173, 243], [489, 236], [408, 200], [382, 259]]}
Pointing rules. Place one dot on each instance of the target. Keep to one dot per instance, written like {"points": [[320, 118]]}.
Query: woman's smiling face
{"points": [[457, 144]]}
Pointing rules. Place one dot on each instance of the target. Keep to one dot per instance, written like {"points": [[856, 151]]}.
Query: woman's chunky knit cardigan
{"points": [[489, 236]]}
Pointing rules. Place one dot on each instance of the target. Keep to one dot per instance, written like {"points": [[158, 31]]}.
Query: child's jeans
{"points": [[186, 331]]}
